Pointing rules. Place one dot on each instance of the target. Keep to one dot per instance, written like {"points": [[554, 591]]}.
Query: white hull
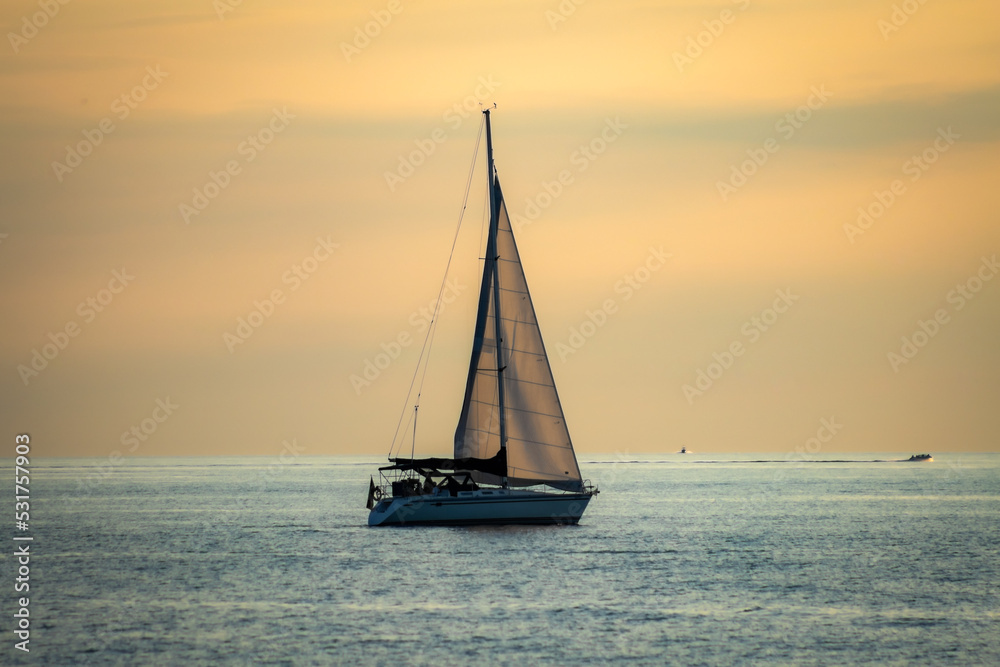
{"points": [[480, 507]]}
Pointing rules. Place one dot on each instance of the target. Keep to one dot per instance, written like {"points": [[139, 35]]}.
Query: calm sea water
{"points": [[678, 561]]}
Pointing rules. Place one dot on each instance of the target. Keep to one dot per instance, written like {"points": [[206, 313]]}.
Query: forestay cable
{"points": [[425, 349]]}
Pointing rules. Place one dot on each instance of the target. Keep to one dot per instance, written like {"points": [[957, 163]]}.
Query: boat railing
{"points": [[396, 483], [391, 479]]}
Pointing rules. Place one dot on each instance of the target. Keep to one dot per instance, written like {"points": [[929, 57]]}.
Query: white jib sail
{"points": [[539, 450]]}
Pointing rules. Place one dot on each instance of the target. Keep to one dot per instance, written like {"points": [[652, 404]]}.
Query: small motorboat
{"points": [[921, 457]]}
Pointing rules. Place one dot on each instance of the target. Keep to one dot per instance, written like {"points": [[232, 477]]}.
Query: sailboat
{"points": [[513, 460]]}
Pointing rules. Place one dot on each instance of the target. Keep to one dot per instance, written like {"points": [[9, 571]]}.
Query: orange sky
{"points": [[290, 118]]}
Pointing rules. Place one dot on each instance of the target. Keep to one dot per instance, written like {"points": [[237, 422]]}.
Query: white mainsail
{"points": [[513, 393]]}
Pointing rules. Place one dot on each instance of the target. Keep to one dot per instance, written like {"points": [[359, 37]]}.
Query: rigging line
{"points": [[437, 304]]}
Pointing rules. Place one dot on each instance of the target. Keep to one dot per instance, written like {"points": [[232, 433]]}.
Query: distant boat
{"points": [[921, 457], [511, 432], [684, 450]]}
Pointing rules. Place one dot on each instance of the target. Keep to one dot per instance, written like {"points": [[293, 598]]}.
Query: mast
{"points": [[495, 259]]}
